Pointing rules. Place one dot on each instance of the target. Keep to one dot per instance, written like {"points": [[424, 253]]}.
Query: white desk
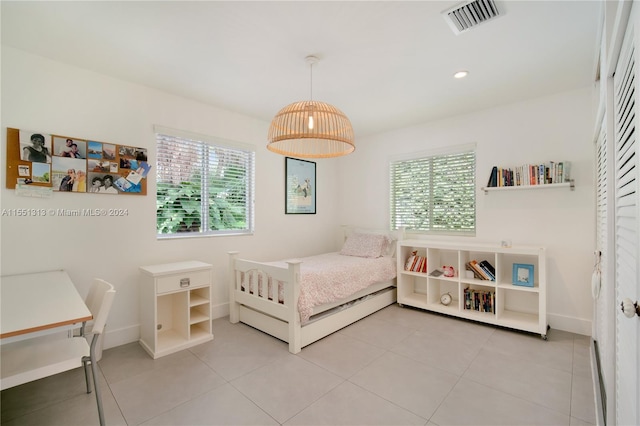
{"points": [[40, 301]]}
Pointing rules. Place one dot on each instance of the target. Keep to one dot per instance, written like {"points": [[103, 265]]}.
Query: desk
{"points": [[39, 301]]}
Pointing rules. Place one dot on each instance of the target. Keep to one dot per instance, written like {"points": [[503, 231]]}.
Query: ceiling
{"points": [[386, 64]]}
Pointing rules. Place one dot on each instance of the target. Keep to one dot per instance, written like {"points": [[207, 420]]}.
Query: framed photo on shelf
{"points": [[523, 274], [300, 186]]}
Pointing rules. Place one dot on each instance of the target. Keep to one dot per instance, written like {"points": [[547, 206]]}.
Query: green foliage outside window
{"points": [[203, 188]]}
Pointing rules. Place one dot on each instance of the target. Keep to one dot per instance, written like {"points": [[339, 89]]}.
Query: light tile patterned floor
{"points": [[398, 366]]}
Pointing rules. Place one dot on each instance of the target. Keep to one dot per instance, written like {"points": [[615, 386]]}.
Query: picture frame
{"points": [[300, 186], [522, 274]]}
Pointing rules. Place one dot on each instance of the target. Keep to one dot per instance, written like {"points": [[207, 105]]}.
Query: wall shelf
{"points": [[570, 185]]}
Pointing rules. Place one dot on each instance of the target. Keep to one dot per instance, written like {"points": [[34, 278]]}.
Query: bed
{"points": [[303, 300]]}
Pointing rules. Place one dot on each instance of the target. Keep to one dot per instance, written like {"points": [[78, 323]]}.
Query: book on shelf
{"points": [[566, 171], [530, 174], [479, 300], [474, 265], [493, 177], [416, 263], [489, 269], [480, 272], [409, 263], [476, 274]]}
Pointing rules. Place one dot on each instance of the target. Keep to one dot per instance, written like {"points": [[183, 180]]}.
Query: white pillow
{"points": [[365, 245], [389, 249]]}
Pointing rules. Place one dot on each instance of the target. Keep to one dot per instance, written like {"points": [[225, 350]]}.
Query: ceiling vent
{"points": [[469, 15]]}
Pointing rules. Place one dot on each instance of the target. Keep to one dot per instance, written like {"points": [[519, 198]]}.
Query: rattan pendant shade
{"points": [[311, 129], [331, 135]]}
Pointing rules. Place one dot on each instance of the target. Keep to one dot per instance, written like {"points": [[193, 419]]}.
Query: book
{"points": [[409, 263], [476, 267], [487, 273], [479, 300], [560, 172], [493, 177], [566, 171], [416, 259], [532, 173], [416, 263], [489, 266], [468, 267], [541, 174], [489, 269]]}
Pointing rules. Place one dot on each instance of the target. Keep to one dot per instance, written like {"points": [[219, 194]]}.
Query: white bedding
{"points": [[329, 277]]}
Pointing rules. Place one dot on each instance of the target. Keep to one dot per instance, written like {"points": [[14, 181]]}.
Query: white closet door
{"points": [[626, 232], [604, 295]]}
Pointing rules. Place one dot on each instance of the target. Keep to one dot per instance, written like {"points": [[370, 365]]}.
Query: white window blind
{"points": [[203, 188], [434, 193]]}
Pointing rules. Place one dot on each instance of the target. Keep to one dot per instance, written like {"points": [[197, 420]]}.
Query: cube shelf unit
{"points": [[516, 307], [175, 306]]}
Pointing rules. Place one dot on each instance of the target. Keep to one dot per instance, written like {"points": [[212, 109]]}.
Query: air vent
{"points": [[469, 15]]}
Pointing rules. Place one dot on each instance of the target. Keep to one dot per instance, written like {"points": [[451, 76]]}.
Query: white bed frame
{"points": [[282, 320]]}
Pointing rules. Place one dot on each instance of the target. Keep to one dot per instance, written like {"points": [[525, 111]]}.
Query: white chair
{"points": [[33, 359]]}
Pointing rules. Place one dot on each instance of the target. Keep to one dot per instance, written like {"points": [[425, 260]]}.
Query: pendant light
{"points": [[311, 129]]}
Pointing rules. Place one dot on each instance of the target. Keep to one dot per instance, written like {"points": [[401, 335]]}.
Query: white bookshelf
{"points": [[513, 306]]}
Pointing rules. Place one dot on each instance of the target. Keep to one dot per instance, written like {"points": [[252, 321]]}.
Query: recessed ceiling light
{"points": [[461, 74]]}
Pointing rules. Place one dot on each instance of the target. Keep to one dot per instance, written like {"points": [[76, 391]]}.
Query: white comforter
{"points": [[329, 277]]}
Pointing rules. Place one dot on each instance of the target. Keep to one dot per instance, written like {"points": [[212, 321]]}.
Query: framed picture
{"points": [[300, 186], [523, 274]]}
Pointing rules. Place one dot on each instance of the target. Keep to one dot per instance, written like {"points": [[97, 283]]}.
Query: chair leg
{"points": [[85, 364], [94, 369]]}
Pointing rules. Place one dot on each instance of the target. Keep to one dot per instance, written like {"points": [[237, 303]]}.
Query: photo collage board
{"points": [[69, 164]]}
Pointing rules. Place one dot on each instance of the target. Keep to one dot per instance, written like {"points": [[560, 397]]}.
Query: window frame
{"points": [[205, 142], [430, 155]]}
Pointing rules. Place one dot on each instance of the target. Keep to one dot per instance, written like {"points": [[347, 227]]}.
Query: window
{"points": [[435, 193], [204, 186]]}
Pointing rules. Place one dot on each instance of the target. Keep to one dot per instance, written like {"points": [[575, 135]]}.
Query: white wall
{"points": [[556, 128], [45, 96]]}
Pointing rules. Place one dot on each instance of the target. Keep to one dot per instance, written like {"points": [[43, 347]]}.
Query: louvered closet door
{"points": [[604, 295], [626, 231]]}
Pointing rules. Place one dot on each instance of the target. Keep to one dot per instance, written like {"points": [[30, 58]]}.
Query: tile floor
{"points": [[398, 366]]}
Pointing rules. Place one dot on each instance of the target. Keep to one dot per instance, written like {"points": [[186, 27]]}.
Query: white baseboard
{"points": [[121, 336], [124, 335], [570, 324], [219, 311]]}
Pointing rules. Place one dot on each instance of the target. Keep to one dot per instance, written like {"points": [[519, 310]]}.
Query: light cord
{"points": [[311, 80]]}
